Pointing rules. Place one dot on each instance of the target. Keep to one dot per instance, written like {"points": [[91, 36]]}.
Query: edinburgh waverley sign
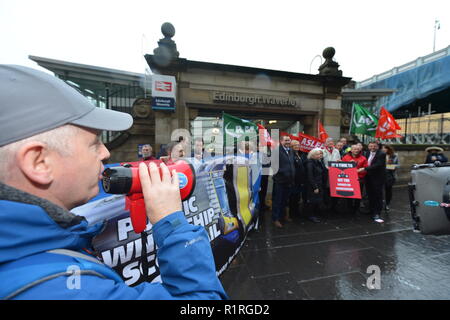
{"points": [[233, 97]]}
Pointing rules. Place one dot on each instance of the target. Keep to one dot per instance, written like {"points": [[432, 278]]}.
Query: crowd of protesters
{"points": [[302, 186]]}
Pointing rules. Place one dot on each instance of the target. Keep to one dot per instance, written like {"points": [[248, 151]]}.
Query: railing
{"points": [[121, 100], [428, 129]]}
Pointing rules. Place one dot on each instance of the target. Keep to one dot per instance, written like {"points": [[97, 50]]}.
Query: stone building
{"points": [[288, 101]]}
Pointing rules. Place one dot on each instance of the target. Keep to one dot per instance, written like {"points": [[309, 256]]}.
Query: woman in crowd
{"points": [[391, 174], [316, 174], [355, 155]]}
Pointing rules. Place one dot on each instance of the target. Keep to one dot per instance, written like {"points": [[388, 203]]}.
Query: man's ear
{"points": [[34, 161]]}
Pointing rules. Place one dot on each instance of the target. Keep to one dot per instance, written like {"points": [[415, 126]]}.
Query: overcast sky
{"points": [[370, 37]]}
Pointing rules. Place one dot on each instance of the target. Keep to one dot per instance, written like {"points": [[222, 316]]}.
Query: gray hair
{"points": [[56, 139], [313, 152]]}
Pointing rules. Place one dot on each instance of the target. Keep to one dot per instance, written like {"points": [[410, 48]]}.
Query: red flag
{"points": [[307, 143], [264, 136], [387, 126], [323, 135], [289, 135]]}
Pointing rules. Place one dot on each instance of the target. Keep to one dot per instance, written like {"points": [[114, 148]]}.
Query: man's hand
{"points": [[161, 194]]}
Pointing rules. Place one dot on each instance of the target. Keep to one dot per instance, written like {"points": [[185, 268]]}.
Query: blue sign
{"points": [[159, 103]]}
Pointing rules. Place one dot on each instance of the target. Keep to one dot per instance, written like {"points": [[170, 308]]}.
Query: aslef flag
{"points": [[387, 126], [323, 135], [282, 133], [264, 136]]}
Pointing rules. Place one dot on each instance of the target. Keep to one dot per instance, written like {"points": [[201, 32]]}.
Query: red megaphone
{"points": [[124, 179]]}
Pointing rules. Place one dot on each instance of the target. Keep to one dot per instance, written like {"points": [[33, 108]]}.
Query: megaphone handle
{"points": [[136, 205]]}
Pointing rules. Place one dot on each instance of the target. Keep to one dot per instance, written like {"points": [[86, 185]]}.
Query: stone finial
{"points": [[166, 51], [329, 67]]}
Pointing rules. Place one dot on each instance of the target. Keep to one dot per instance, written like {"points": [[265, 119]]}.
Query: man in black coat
{"points": [[374, 179], [283, 180], [299, 181]]}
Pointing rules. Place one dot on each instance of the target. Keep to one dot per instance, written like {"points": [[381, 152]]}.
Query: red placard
{"points": [[344, 180]]}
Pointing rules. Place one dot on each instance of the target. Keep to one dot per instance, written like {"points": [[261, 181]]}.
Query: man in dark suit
{"points": [[375, 179], [283, 180]]}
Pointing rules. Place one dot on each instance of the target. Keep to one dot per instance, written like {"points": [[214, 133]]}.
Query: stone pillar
{"points": [[310, 124], [331, 117], [163, 128]]}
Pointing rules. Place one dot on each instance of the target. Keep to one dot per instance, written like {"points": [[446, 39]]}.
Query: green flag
{"points": [[363, 121], [236, 129]]}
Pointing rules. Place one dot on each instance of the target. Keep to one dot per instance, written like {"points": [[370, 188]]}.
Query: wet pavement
{"points": [[335, 259]]}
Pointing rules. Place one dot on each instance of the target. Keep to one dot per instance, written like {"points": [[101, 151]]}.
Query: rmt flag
{"points": [[387, 126]]}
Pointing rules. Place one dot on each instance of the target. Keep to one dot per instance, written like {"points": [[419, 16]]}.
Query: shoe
{"points": [[314, 219], [387, 208], [378, 219], [278, 224]]}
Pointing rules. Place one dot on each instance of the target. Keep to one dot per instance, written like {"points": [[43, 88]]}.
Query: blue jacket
{"points": [[30, 226]]}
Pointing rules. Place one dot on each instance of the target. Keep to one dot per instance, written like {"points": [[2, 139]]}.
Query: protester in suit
{"points": [[299, 182], [317, 177], [356, 156], [391, 174], [375, 179], [283, 180]]}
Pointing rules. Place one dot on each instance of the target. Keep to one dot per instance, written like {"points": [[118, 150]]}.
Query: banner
{"points": [[363, 121], [307, 143], [236, 130], [344, 180], [224, 202]]}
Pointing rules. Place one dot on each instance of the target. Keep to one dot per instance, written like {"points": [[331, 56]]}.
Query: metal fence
{"points": [[427, 129], [122, 100]]}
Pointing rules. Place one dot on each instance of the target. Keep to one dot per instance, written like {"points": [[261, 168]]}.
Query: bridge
{"points": [[421, 86]]}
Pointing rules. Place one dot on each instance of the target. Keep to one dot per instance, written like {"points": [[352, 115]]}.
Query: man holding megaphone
{"points": [[50, 162]]}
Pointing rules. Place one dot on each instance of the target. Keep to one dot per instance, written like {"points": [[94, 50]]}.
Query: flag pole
{"points": [[351, 119]]}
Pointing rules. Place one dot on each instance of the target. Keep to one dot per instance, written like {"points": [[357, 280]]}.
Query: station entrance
{"points": [[208, 124]]}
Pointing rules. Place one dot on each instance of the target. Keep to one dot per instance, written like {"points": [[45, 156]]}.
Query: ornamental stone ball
{"points": [[166, 52], [328, 53], [329, 67], [168, 30]]}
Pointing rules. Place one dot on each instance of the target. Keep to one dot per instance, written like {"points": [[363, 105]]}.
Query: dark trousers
{"points": [[329, 200], [294, 202], [263, 191], [280, 198], [388, 194], [354, 204], [375, 193]]}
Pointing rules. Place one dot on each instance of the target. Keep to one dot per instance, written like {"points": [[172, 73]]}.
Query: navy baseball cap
{"points": [[32, 102]]}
